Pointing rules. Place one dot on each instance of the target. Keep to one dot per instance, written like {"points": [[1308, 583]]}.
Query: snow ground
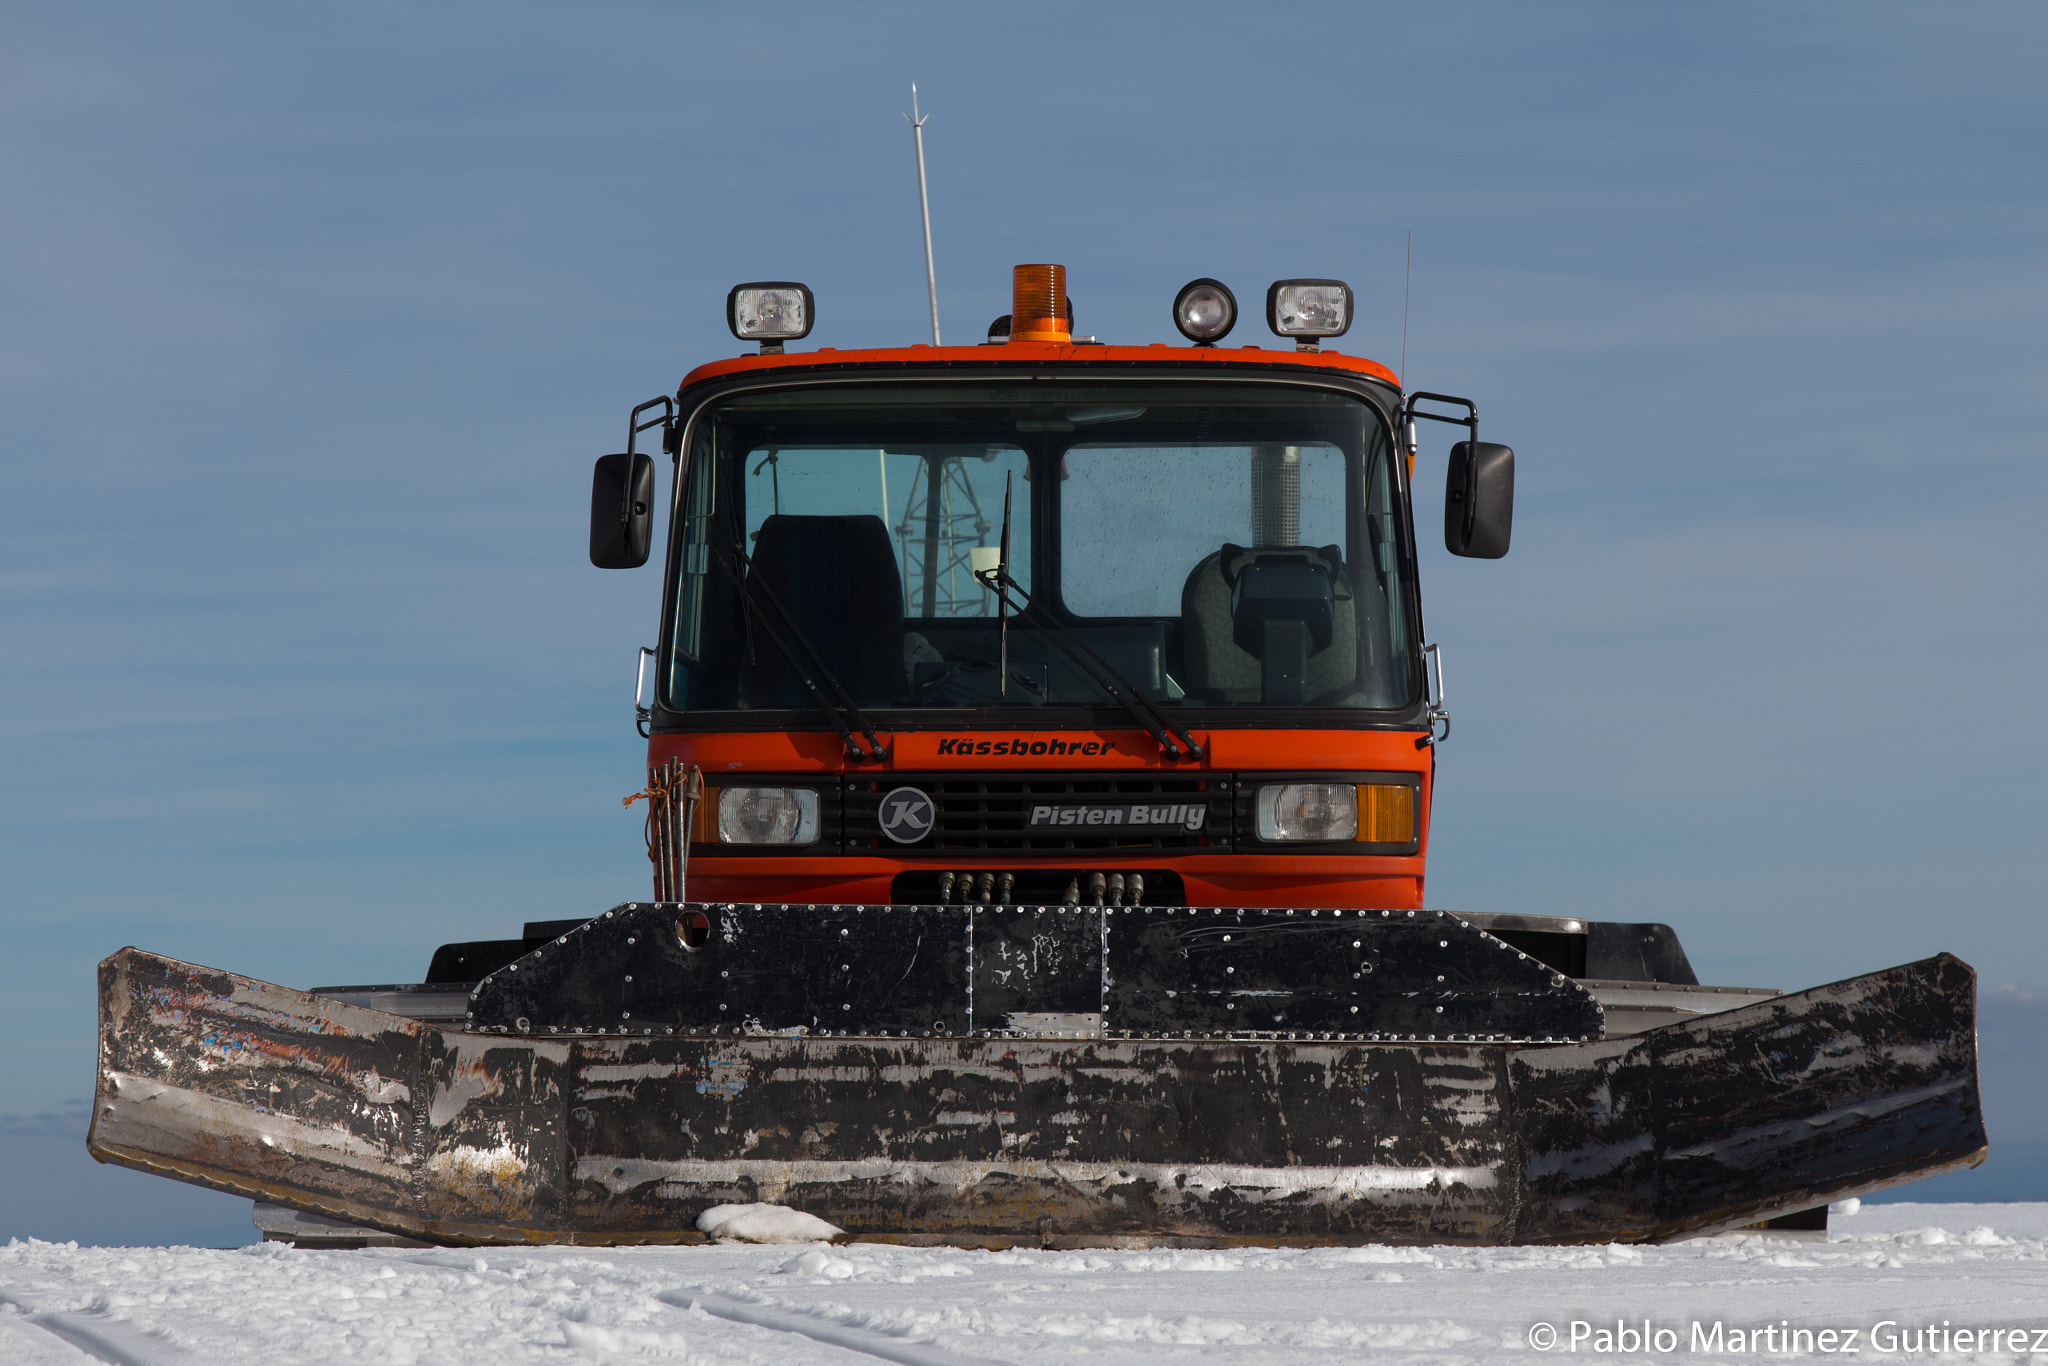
{"points": [[1974, 1266]]}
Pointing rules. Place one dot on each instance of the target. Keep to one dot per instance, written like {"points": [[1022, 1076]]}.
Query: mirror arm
{"points": [[634, 426], [1470, 422]]}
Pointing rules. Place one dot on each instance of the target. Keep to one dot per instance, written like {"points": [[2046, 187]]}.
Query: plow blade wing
{"points": [[453, 1136]]}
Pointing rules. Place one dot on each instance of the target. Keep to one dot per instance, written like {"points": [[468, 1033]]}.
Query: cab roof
{"points": [[1009, 354]]}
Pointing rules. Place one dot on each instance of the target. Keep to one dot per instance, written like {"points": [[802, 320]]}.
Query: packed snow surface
{"points": [[1908, 1281]]}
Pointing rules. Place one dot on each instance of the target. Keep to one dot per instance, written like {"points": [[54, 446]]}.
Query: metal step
{"points": [[1634, 1007]]}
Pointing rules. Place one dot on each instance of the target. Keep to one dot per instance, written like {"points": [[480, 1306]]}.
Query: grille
{"points": [[988, 815]]}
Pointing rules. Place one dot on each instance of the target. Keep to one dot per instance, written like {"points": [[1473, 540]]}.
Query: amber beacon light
{"points": [[1038, 304]]}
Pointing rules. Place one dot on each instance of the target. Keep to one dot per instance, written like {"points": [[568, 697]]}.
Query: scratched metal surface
{"points": [[463, 1137], [943, 971]]}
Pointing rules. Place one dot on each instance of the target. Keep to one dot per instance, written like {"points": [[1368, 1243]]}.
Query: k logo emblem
{"points": [[907, 815]]}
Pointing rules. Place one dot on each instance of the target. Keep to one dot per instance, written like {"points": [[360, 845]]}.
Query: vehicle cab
{"points": [[1043, 620]]}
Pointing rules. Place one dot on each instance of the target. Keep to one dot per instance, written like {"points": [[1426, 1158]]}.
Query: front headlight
{"points": [[767, 815], [1318, 812], [1328, 813]]}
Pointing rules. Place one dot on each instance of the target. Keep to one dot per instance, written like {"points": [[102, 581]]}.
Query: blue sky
{"points": [[311, 321]]}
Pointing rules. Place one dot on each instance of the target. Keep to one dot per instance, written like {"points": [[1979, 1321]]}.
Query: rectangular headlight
{"points": [[1316, 812], [1308, 308], [1326, 813], [766, 815], [770, 310]]}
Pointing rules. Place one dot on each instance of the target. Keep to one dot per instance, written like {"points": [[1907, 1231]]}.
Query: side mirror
{"points": [[1479, 500], [620, 530]]}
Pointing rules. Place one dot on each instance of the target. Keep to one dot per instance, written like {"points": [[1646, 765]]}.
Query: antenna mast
{"points": [[1407, 275], [924, 205]]}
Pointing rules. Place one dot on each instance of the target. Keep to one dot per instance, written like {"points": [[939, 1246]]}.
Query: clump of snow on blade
{"points": [[766, 1224]]}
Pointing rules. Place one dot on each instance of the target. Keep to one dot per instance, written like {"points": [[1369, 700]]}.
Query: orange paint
{"points": [[959, 357], [1393, 882]]}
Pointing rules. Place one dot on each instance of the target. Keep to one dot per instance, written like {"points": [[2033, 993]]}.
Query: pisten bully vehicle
{"points": [[1046, 731]]}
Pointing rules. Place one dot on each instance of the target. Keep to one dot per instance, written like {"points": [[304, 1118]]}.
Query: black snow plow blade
{"points": [[1044, 1127]]}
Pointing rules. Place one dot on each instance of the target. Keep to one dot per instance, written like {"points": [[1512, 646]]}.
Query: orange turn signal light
{"points": [[1038, 304], [1386, 813]]}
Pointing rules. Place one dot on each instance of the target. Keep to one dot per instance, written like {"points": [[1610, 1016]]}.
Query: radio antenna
{"points": [[924, 207], [1407, 274]]}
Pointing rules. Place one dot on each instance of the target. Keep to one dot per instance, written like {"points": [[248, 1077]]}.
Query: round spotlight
{"points": [[1205, 310]]}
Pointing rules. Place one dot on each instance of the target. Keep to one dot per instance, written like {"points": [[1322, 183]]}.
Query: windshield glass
{"points": [[1216, 545]]}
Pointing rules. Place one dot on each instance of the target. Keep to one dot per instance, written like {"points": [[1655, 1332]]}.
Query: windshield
{"points": [[1218, 546]]}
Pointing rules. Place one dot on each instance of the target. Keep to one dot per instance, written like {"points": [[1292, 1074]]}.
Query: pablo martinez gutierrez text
{"points": [[1887, 1337]]}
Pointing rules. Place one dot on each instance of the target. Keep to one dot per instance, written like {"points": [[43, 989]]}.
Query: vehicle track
{"points": [[103, 1339], [878, 1345]]}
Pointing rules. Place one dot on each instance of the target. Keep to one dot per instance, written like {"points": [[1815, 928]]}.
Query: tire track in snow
{"points": [[104, 1339], [878, 1345]]}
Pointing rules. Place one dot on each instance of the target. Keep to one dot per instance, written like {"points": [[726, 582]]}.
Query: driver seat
{"points": [[1217, 669], [837, 576]]}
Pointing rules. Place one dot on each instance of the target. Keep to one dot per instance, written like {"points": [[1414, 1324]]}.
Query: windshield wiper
{"points": [[746, 581], [1068, 642]]}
